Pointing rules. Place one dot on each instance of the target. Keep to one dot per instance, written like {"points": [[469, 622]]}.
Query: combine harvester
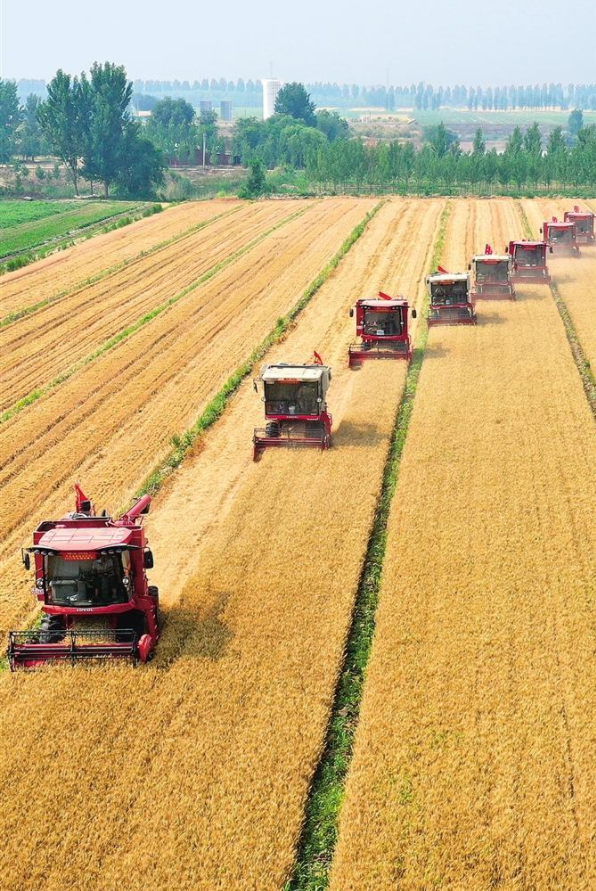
{"points": [[528, 259], [451, 301], [90, 569], [295, 398], [561, 238], [382, 326], [584, 224], [491, 275]]}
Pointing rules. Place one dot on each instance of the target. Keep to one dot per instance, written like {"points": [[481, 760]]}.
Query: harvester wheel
{"points": [[52, 629]]}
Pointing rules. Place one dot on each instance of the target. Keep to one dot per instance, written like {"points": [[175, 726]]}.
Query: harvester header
{"points": [[382, 326], [295, 399]]}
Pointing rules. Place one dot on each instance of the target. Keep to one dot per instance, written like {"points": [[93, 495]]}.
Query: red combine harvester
{"points": [[382, 326], [491, 274], [584, 224], [528, 259], [90, 569], [295, 398], [560, 237], [451, 301]]}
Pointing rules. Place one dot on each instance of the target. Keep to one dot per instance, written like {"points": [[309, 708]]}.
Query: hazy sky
{"points": [[466, 41]]}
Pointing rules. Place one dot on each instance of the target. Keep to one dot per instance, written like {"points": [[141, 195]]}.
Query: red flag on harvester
{"points": [[488, 249], [555, 220], [576, 208], [318, 360], [384, 296], [440, 269]]}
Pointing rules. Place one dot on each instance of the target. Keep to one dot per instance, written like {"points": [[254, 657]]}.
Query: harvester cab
{"points": [[295, 398], [91, 582], [584, 224], [528, 260], [491, 276], [560, 237], [451, 300], [382, 326]]}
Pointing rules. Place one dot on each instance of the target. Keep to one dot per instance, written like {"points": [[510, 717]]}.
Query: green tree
{"points": [[10, 118], [172, 129], [332, 125], [142, 170], [30, 135], [575, 122], [293, 100], [62, 123], [106, 139], [479, 145], [256, 182]]}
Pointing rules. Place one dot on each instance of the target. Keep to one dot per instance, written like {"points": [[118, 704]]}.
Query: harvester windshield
{"points": [[285, 398], [382, 324], [449, 294], [529, 256], [492, 270], [561, 236], [85, 583]]}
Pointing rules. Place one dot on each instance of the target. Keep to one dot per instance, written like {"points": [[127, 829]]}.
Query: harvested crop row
{"points": [[113, 421], [245, 675], [65, 271], [37, 348], [574, 278], [476, 750]]}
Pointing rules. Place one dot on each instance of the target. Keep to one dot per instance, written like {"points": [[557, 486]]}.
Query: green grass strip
{"points": [[127, 332], [184, 443], [319, 833], [111, 270], [579, 357]]}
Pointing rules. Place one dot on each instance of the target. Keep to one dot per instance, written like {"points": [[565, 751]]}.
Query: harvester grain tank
{"points": [[382, 326], [491, 276], [90, 578], [451, 300], [295, 400], [561, 238], [528, 259], [584, 224]]}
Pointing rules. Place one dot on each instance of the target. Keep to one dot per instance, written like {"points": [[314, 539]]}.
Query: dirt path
{"points": [[227, 725], [476, 749]]}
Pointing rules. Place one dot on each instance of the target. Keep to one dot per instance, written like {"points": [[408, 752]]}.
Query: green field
{"points": [[26, 226]]}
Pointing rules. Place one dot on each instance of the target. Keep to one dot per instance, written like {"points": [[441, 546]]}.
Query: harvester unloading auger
{"points": [[295, 398], [382, 326], [584, 224], [561, 238], [528, 260], [451, 300], [491, 276], [90, 569]]}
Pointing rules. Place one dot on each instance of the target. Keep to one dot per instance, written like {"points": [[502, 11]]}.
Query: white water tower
{"points": [[271, 88]]}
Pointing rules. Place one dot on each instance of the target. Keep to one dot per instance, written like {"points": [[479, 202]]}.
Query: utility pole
{"points": [[204, 146]]}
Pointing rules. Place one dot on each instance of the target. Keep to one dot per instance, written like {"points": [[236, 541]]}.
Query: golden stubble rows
{"points": [[193, 772], [574, 278], [475, 754], [111, 423], [35, 349], [61, 272]]}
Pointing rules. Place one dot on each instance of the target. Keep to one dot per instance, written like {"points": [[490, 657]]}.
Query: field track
{"points": [[218, 740], [475, 753], [112, 421]]}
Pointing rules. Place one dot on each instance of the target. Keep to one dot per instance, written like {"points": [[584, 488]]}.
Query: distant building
{"points": [[271, 88], [205, 106], [225, 110]]}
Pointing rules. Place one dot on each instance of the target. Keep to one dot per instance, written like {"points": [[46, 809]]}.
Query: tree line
{"points": [[85, 122]]}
